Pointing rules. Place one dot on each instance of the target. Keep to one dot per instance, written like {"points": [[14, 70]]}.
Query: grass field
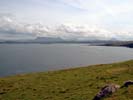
{"points": [[72, 84]]}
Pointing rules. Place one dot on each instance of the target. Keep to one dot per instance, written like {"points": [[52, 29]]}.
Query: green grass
{"points": [[71, 84]]}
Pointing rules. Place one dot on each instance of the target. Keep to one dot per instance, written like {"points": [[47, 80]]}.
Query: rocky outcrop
{"points": [[106, 90], [127, 83], [109, 89]]}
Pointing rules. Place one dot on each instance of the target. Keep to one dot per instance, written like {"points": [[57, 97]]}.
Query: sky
{"points": [[68, 19]]}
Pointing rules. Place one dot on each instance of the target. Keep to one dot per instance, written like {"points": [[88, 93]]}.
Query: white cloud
{"points": [[10, 28]]}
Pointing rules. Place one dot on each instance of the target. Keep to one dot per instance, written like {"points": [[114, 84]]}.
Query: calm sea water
{"points": [[23, 58]]}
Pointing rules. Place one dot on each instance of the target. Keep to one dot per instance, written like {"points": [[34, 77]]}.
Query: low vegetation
{"points": [[72, 84]]}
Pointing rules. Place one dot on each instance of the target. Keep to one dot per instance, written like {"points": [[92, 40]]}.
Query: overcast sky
{"points": [[70, 19]]}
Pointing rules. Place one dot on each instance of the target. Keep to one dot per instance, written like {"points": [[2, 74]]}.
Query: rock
{"points": [[106, 90], [127, 83]]}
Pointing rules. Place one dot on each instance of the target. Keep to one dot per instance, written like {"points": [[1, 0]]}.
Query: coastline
{"points": [[78, 83]]}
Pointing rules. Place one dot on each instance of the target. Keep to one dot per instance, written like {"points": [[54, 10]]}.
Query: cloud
{"points": [[85, 32], [9, 27], [12, 29]]}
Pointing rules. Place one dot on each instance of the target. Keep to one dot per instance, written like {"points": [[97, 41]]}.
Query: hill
{"points": [[120, 43], [52, 40], [72, 84], [48, 40]]}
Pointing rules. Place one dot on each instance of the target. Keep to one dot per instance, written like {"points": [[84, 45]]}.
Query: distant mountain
{"points": [[48, 39], [37, 40], [58, 40]]}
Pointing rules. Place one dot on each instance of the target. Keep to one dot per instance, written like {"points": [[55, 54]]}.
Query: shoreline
{"points": [[77, 83], [62, 69]]}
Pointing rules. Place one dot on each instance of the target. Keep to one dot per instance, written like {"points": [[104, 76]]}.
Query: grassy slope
{"points": [[72, 84]]}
